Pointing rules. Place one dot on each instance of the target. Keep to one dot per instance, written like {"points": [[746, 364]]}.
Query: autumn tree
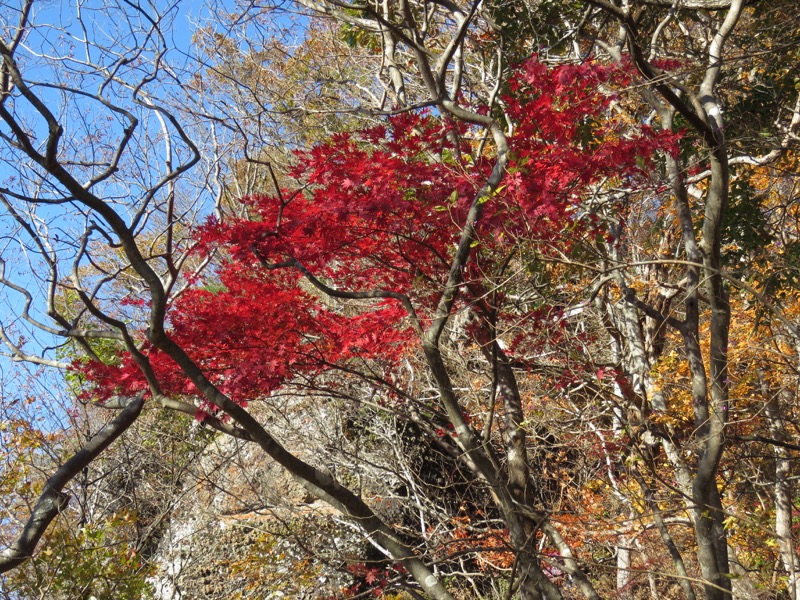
{"points": [[712, 217], [519, 269]]}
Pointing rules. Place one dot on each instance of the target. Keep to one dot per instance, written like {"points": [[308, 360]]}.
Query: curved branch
{"points": [[334, 293], [53, 500], [693, 113], [120, 402]]}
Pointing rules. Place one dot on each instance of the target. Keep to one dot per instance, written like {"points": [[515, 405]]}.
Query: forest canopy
{"points": [[400, 299]]}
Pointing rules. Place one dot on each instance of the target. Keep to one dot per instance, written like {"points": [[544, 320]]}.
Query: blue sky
{"points": [[91, 131], [58, 31]]}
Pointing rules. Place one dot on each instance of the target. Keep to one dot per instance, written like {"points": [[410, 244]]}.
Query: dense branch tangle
{"points": [[61, 175], [441, 260]]}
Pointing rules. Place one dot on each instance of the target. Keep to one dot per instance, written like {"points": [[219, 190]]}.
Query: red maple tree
{"points": [[376, 213], [409, 223]]}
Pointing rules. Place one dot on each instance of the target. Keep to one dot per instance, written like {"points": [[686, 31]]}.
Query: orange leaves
{"points": [[489, 547]]}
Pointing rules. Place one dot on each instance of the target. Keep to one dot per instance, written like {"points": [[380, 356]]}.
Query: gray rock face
{"points": [[244, 528]]}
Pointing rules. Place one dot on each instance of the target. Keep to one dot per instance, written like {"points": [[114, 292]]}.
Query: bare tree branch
{"points": [[53, 500]]}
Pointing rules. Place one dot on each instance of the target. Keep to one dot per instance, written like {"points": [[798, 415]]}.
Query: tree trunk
{"points": [[783, 497]]}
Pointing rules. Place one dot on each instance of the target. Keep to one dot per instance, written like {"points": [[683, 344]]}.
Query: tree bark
{"points": [[53, 500]]}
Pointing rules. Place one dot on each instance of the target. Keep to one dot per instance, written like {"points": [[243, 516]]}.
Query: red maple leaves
{"points": [[382, 209]]}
